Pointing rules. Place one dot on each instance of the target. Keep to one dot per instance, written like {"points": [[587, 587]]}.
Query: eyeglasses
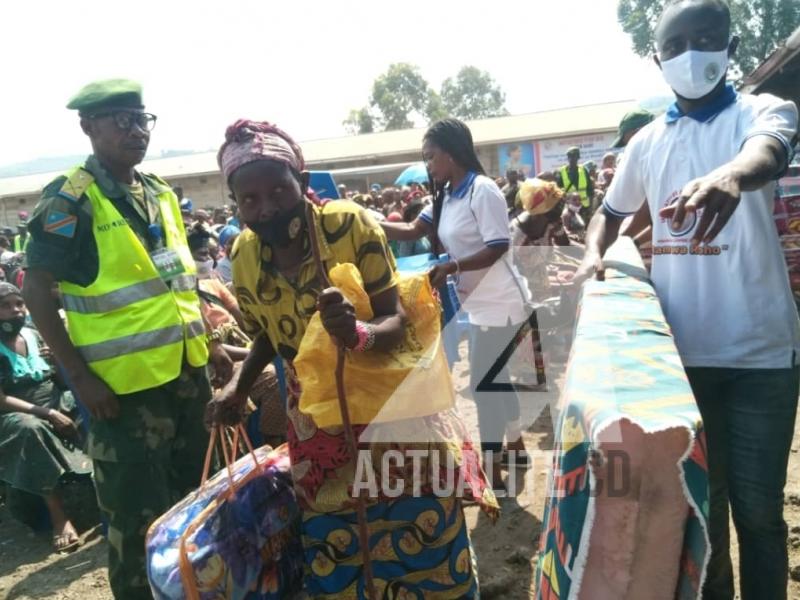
{"points": [[125, 119]]}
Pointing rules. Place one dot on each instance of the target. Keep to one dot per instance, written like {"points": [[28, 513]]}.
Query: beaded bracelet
{"points": [[365, 334]]}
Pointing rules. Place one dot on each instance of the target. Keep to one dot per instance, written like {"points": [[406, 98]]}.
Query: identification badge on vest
{"points": [[168, 263]]}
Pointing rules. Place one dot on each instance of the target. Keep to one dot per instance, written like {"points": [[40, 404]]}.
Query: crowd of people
{"points": [[159, 319]]}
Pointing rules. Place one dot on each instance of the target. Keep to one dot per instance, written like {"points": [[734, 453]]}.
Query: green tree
{"points": [[359, 121], [399, 95], [762, 26], [473, 94]]}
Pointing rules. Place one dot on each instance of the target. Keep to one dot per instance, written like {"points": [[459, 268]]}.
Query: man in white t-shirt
{"points": [[707, 170]]}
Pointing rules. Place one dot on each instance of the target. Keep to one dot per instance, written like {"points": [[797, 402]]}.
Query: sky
{"points": [[300, 64]]}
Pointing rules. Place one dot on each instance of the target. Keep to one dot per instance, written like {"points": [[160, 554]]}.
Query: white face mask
{"points": [[204, 268], [694, 74]]}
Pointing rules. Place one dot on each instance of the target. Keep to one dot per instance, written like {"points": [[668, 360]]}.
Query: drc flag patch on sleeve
{"points": [[60, 223]]}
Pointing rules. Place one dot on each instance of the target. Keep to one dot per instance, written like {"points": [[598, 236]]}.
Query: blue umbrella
{"points": [[323, 185], [414, 174]]}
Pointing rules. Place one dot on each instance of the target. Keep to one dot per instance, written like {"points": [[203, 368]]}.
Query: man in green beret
{"points": [[630, 124], [135, 346]]}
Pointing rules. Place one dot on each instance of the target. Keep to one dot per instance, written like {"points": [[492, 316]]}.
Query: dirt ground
{"points": [[506, 551]]}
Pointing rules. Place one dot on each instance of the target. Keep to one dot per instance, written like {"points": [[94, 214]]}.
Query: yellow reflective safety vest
{"points": [[583, 184], [131, 327], [19, 246]]}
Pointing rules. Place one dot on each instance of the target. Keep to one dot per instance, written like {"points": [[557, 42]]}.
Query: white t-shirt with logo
{"points": [[730, 305], [475, 215]]}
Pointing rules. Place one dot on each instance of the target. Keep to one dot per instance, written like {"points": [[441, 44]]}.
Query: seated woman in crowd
{"points": [[39, 437], [418, 540], [413, 247]]}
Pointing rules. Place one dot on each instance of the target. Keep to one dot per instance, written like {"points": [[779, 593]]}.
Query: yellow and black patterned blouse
{"points": [[281, 308]]}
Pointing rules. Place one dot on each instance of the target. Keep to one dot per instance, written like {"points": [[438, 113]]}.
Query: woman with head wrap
{"points": [[418, 540], [39, 438], [539, 225]]}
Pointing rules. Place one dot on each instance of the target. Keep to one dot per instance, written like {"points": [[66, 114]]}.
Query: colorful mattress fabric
{"points": [[627, 413], [242, 546]]}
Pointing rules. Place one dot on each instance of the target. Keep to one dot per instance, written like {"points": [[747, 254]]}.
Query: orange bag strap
{"points": [[361, 504], [229, 449]]}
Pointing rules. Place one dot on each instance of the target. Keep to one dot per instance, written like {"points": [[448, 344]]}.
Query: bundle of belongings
{"points": [[626, 515], [237, 536]]}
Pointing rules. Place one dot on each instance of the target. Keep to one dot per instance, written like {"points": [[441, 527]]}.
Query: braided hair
{"points": [[453, 137]]}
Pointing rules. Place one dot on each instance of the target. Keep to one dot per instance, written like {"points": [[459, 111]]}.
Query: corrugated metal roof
{"points": [[540, 125], [773, 63]]}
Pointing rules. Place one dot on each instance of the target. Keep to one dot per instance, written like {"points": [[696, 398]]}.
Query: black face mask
{"points": [[11, 327], [283, 228]]}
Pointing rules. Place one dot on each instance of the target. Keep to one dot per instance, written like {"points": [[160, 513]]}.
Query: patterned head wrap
{"points": [[247, 141], [539, 197]]}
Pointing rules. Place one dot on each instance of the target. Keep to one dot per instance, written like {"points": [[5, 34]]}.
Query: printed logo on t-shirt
{"points": [[679, 243], [689, 221]]}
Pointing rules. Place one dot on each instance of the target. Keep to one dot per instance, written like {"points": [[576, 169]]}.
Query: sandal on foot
{"points": [[66, 542]]}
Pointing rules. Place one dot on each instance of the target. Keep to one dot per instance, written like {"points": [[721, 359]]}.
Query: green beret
{"points": [[109, 93], [573, 150], [632, 121]]}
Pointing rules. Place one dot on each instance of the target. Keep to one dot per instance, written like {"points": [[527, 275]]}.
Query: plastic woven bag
{"points": [[236, 537], [413, 380]]}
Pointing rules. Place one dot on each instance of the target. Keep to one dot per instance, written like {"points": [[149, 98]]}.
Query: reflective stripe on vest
{"points": [[141, 341], [583, 184], [128, 295], [134, 330]]}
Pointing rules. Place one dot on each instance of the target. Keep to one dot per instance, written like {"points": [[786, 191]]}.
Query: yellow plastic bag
{"points": [[413, 380]]}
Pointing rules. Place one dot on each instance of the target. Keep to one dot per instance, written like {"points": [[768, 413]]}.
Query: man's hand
{"points": [[62, 424], [98, 398], [438, 274], [222, 363], [718, 194], [338, 316], [226, 408], [592, 265]]}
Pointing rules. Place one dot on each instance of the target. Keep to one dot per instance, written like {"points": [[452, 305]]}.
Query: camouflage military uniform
{"points": [[152, 453], [144, 462]]}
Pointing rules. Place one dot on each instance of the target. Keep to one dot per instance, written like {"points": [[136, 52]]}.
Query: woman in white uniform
{"points": [[469, 220]]}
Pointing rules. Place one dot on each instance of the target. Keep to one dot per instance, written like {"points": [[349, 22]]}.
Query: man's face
{"points": [[114, 144], [573, 158], [700, 26], [201, 254]]}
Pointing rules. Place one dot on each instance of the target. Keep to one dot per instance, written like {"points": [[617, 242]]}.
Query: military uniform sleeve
{"points": [[60, 230], [374, 259]]}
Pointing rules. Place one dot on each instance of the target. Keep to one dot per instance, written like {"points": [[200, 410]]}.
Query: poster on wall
{"points": [[517, 156], [550, 155]]}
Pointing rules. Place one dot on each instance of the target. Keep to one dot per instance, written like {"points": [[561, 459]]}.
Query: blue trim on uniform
{"points": [[464, 186], [426, 218], [500, 242], [774, 134], [787, 146], [617, 213], [705, 113]]}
